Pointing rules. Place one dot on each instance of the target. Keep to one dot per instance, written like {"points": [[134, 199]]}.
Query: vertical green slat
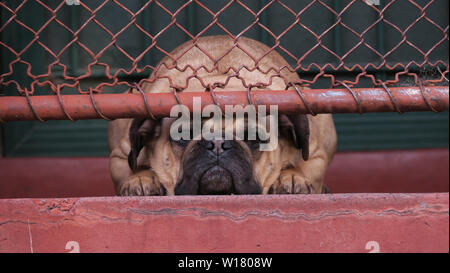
{"points": [[16, 132], [146, 17], [337, 30], [3, 53], [380, 42], [73, 50], [191, 26], [3, 68], [264, 18]]}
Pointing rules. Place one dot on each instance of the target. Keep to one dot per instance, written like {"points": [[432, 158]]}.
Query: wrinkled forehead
{"points": [[261, 120], [234, 123], [239, 121]]}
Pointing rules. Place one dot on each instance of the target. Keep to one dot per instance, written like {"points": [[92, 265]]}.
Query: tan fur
{"points": [[282, 168]]}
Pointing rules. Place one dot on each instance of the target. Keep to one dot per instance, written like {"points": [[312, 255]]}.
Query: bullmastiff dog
{"points": [[146, 160]]}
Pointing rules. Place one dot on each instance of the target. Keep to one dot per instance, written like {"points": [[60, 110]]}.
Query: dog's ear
{"points": [[141, 131], [296, 128]]}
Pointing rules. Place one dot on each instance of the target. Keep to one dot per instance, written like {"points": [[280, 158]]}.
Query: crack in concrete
{"points": [[17, 221], [203, 213]]}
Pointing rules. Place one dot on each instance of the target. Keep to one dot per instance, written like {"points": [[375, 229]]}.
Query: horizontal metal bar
{"points": [[363, 100]]}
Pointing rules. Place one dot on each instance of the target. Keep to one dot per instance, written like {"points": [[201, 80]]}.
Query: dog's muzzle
{"points": [[217, 167], [216, 180]]}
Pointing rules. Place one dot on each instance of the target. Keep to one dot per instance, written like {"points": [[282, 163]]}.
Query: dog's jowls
{"points": [[145, 160]]}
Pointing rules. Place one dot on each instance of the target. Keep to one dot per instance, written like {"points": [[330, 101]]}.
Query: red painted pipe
{"points": [[401, 99]]}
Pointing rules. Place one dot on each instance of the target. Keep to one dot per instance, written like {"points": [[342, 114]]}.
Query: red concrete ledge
{"points": [[283, 223]]}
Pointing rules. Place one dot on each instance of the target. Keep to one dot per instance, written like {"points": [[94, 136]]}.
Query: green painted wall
{"points": [[366, 132]]}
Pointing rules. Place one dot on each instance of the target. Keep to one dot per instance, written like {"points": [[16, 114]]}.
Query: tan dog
{"points": [[145, 160]]}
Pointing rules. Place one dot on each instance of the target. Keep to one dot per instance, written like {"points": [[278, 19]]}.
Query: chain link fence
{"points": [[392, 51]]}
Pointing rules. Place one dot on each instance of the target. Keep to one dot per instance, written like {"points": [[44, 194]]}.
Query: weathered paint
{"points": [[351, 172], [280, 223]]}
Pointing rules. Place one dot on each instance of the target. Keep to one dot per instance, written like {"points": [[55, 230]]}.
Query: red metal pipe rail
{"points": [[313, 101]]}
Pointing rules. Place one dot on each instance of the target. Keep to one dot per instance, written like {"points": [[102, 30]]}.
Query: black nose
{"points": [[218, 146]]}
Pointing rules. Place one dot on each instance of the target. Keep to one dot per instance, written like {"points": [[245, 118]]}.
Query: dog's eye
{"points": [[180, 142], [253, 144]]}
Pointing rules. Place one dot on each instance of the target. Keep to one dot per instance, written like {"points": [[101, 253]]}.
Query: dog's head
{"points": [[220, 165]]}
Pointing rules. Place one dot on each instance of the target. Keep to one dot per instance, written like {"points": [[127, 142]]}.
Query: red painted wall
{"points": [[390, 171], [354, 172]]}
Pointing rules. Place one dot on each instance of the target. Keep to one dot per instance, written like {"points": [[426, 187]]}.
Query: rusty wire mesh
{"points": [[416, 53]]}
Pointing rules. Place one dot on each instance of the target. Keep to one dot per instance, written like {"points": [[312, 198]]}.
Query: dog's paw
{"points": [[142, 184], [292, 181]]}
